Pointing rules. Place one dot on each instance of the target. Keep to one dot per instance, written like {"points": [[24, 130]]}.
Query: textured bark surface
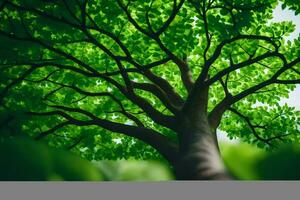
{"points": [[199, 155], [201, 161]]}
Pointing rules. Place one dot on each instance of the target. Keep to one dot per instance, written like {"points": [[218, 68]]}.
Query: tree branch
{"points": [[219, 48], [267, 141], [155, 115], [52, 130], [161, 143], [216, 114], [153, 89], [175, 10], [184, 69], [15, 82]]}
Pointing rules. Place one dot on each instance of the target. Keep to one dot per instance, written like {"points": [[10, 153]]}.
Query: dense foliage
{"points": [[106, 78]]}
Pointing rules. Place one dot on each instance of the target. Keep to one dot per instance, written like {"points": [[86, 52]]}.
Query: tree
{"points": [[91, 75]]}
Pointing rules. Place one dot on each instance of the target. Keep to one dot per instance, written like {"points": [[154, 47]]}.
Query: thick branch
{"points": [[161, 143], [184, 69], [166, 87], [185, 72], [155, 115], [103, 94], [176, 9], [202, 83], [246, 63], [216, 114], [297, 81], [158, 93], [219, 48]]}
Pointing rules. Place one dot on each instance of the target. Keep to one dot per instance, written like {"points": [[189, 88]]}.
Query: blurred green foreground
{"points": [[25, 160]]}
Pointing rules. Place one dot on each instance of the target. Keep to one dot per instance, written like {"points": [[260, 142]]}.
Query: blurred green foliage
{"points": [[241, 159], [247, 162], [137, 170], [26, 160], [280, 165]]}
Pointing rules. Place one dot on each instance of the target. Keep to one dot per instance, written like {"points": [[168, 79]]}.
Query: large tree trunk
{"points": [[199, 156]]}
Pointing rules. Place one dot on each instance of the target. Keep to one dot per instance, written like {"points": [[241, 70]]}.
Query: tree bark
{"points": [[199, 156]]}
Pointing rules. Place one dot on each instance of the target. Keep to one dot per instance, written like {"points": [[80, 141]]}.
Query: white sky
{"points": [[294, 98]]}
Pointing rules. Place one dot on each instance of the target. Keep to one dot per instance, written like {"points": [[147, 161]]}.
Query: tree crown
{"points": [[85, 74]]}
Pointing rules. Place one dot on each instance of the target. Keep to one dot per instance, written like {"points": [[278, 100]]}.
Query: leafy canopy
{"points": [[86, 74]]}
